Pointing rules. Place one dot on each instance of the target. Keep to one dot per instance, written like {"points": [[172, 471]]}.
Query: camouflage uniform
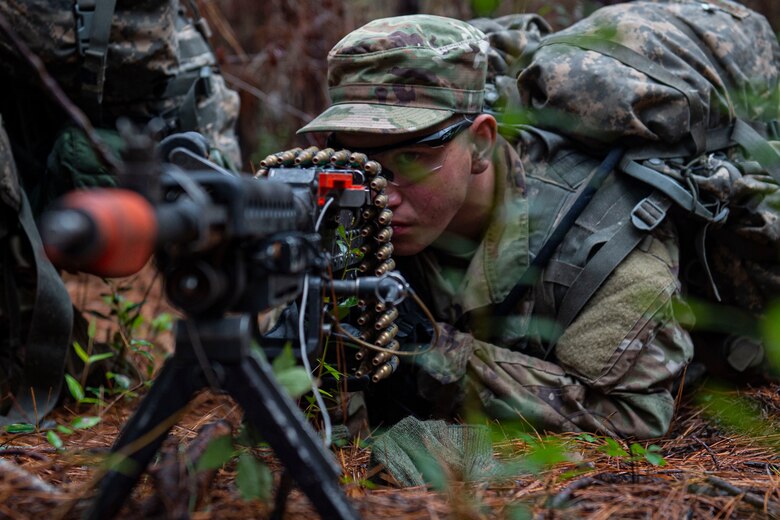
{"points": [[612, 370], [158, 64]]}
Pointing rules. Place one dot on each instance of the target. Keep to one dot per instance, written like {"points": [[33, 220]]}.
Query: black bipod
{"points": [[225, 347]]}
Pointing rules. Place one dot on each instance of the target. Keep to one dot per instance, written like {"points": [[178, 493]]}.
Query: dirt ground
{"points": [[711, 469]]}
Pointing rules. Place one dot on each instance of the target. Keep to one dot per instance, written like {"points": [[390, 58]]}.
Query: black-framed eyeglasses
{"points": [[434, 140]]}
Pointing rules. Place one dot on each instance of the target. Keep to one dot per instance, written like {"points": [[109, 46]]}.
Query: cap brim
{"points": [[375, 118]]}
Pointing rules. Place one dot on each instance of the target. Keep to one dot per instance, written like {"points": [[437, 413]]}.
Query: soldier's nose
{"points": [[393, 196]]}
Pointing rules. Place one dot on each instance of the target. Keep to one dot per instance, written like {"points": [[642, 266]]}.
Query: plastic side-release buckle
{"points": [[84, 12], [647, 214]]}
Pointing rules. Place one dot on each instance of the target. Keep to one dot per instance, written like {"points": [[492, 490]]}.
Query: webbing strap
{"points": [[48, 339], [94, 44], [633, 59], [757, 148], [531, 274], [668, 186], [605, 261]]}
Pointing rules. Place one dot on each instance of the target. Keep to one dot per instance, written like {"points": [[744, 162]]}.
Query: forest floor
{"points": [[720, 460]]}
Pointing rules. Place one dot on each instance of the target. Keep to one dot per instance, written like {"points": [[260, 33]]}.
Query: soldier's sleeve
{"points": [[615, 365]]}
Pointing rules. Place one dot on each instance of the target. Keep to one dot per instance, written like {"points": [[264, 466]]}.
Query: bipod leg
{"points": [[294, 441], [143, 435]]}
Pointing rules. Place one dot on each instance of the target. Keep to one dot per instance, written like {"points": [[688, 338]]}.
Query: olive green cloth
{"points": [[417, 452]]}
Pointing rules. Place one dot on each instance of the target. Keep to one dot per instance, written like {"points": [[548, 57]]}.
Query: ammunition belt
{"points": [[371, 229]]}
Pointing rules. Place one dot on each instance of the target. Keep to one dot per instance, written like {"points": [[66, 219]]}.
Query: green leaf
{"points": [[80, 352], [218, 452], [586, 437], [82, 423], [54, 439], [64, 429], [332, 371], [74, 387], [613, 449], [254, 479], [92, 400], [295, 381], [342, 233], [100, 357], [91, 329], [284, 361], [655, 459], [163, 322], [20, 428], [637, 449], [121, 380], [653, 455]]}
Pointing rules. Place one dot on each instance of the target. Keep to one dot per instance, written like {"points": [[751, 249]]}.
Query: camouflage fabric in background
{"points": [[157, 65], [722, 58]]}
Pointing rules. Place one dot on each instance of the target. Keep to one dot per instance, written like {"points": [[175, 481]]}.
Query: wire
{"points": [[315, 390], [302, 340], [322, 213], [371, 346]]}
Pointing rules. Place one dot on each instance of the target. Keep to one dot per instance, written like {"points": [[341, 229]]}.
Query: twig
{"points": [[33, 482], [175, 477], [558, 500], [26, 453], [709, 450], [750, 498]]}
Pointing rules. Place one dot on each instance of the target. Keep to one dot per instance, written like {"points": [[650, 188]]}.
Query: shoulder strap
{"points": [[645, 216], [93, 30], [48, 339], [530, 276]]}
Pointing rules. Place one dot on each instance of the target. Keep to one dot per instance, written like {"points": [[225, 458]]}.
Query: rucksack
{"points": [[687, 93]]}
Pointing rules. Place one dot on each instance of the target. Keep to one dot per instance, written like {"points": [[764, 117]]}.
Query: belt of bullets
{"points": [[376, 321]]}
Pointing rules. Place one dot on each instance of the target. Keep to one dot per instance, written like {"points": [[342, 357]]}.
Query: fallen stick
{"points": [[25, 479], [175, 480], [751, 498]]}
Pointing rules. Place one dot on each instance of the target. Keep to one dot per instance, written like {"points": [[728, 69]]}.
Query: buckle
{"points": [[647, 214], [84, 11]]}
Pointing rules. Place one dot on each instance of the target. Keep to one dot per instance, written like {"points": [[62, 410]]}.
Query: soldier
{"points": [[138, 60], [410, 93]]}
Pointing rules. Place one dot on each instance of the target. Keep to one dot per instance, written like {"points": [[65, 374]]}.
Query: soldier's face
{"points": [[429, 184]]}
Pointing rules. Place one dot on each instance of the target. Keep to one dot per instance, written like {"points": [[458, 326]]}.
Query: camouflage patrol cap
{"points": [[403, 74]]}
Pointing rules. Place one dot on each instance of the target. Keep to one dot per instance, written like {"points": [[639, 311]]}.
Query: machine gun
{"points": [[230, 247]]}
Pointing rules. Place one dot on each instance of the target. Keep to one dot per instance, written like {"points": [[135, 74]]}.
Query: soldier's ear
{"points": [[483, 132]]}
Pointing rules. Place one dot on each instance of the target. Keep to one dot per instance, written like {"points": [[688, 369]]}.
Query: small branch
{"points": [[563, 496], [22, 478], [709, 450], [750, 498], [27, 453], [175, 478]]}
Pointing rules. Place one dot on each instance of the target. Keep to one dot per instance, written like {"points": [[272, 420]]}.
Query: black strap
{"points": [[633, 59], [757, 147], [530, 276], [93, 30], [652, 210], [48, 339]]}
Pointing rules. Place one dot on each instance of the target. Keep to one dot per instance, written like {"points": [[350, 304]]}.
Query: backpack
{"points": [[686, 95]]}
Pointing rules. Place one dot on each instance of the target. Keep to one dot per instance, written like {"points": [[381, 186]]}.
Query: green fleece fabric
{"points": [[419, 452]]}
